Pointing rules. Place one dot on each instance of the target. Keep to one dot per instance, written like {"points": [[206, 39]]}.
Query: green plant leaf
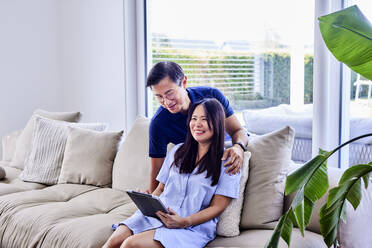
{"points": [[348, 35], [308, 210], [287, 231], [354, 196], [299, 212], [354, 172], [274, 240], [299, 197], [291, 215], [366, 179], [302, 175], [349, 189], [329, 218], [318, 184], [338, 193]]}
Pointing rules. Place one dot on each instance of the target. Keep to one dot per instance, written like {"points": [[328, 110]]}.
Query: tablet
{"points": [[148, 204]]}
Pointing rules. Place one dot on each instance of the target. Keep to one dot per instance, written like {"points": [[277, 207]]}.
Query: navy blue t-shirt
{"points": [[166, 127]]}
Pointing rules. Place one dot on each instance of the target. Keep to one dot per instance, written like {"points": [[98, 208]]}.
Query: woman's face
{"points": [[199, 126]]}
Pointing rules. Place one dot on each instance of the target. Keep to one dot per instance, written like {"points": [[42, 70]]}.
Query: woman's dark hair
{"points": [[163, 69], [185, 156]]}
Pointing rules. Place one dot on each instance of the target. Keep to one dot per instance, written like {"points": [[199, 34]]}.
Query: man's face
{"points": [[170, 95]]}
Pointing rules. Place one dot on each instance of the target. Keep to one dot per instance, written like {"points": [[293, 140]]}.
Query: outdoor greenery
{"points": [[240, 73]]}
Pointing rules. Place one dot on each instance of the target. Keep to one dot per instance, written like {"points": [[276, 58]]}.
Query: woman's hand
{"points": [[172, 220]]}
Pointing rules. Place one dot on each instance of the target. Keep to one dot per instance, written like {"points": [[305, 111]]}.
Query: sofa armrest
{"points": [[9, 145]]}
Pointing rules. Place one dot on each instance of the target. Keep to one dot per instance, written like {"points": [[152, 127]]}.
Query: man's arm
{"points": [[235, 153], [156, 164]]}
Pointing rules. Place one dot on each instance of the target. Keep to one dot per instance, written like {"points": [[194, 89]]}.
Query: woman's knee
{"points": [[117, 237], [131, 242]]}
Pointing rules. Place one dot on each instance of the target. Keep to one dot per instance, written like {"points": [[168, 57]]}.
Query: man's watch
{"points": [[241, 145]]}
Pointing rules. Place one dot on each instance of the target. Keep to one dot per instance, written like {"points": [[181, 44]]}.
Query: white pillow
{"points": [[89, 156], [48, 145], [264, 193], [132, 165], [228, 224], [23, 144]]}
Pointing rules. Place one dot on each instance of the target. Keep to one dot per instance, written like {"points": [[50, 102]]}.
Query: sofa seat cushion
{"points": [[12, 184], [256, 238], [64, 215]]}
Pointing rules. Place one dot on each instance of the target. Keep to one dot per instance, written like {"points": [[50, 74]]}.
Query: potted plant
{"points": [[348, 35]]}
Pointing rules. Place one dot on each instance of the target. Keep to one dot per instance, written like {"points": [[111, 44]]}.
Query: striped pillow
{"points": [[44, 162]]}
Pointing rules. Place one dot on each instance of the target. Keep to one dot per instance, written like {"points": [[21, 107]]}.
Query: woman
{"points": [[193, 185]]}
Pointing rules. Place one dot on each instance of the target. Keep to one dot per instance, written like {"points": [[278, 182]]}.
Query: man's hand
{"points": [[172, 220], [235, 155]]}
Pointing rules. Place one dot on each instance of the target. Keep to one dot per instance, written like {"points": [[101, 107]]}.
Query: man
{"points": [[168, 125]]}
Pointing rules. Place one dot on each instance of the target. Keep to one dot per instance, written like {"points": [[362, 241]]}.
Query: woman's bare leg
{"points": [[142, 240], [118, 237]]}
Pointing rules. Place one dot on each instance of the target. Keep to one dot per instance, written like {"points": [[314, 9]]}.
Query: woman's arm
{"points": [[173, 220], [159, 189]]}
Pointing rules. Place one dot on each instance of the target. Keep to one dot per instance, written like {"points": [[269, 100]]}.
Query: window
{"points": [[254, 54], [258, 53], [360, 106]]}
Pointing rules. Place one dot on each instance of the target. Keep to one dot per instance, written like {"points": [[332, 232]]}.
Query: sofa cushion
{"points": [[56, 216], [11, 183], [258, 238], [131, 169], [23, 144], [264, 193], [48, 145], [228, 224], [89, 156], [9, 145]]}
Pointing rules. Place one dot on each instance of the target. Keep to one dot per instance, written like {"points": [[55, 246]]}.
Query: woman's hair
{"points": [[185, 156], [163, 69]]}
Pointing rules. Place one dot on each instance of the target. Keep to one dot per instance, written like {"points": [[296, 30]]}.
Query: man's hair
{"points": [[185, 156], [165, 69]]}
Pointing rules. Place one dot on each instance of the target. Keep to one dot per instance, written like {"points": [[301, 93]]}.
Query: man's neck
{"points": [[187, 103]]}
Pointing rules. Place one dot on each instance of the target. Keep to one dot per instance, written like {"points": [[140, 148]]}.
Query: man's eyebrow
{"points": [[168, 91], [164, 92]]}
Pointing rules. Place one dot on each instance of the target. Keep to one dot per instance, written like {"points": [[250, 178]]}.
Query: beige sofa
{"points": [[81, 215]]}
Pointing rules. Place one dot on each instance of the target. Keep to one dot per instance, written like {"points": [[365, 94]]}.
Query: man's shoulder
{"points": [[203, 89], [201, 92], [160, 115]]}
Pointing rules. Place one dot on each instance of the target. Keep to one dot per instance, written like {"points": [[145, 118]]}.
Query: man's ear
{"points": [[184, 80]]}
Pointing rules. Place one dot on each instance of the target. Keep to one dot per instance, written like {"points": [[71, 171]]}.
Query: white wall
{"points": [[29, 74], [61, 56], [92, 59]]}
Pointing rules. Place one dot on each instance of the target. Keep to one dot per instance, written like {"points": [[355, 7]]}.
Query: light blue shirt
{"points": [[186, 194]]}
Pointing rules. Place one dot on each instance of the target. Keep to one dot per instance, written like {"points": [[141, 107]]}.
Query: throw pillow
{"points": [[228, 224], [264, 193], [48, 145], [23, 144], [131, 169], [89, 156]]}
